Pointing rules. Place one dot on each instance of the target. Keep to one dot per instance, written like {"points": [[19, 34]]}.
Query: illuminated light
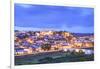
{"points": [[37, 34], [49, 33], [29, 51], [78, 44], [77, 50], [65, 50], [83, 50], [26, 50], [30, 40], [20, 53], [67, 34]]}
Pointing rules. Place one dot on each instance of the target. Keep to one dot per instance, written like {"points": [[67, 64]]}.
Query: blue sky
{"points": [[64, 18]]}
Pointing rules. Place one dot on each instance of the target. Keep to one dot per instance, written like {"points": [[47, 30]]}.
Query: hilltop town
{"points": [[34, 42]]}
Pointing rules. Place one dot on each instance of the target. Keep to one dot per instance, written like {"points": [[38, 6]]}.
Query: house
{"points": [[19, 51]]}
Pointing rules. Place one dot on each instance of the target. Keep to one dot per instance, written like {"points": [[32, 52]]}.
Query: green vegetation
{"points": [[69, 57], [46, 47]]}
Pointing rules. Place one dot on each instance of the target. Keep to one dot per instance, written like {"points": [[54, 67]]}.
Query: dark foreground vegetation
{"points": [[54, 57]]}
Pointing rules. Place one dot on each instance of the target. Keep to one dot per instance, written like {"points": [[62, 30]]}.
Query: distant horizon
{"points": [[37, 29], [60, 18]]}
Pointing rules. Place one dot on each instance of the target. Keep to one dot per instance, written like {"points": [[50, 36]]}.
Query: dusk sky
{"points": [[63, 18]]}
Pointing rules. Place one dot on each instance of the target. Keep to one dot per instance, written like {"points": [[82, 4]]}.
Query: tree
{"points": [[46, 46]]}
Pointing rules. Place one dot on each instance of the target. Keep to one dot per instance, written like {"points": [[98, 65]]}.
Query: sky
{"points": [[60, 18]]}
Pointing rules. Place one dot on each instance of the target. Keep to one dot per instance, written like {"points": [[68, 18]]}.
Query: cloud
{"points": [[86, 12], [26, 28], [76, 29], [79, 29], [33, 29], [38, 17], [25, 5]]}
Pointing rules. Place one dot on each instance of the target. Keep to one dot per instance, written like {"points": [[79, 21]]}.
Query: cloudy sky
{"points": [[41, 17]]}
